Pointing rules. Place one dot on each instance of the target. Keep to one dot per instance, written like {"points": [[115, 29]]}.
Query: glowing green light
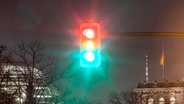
{"points": [[89, 56]]}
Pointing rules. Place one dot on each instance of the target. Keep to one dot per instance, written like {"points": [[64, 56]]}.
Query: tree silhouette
{"points": [[128, 97], [5, 96], [35, 75]]}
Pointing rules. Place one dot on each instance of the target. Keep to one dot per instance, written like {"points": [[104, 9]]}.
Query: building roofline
{"points": [[161, 84]]}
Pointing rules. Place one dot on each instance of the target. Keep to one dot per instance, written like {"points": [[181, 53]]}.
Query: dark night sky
{"points": [[55, 23]]}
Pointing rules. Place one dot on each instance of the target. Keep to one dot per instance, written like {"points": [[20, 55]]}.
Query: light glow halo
{"points": [[89, 56], [89, 45], [89, 33]]}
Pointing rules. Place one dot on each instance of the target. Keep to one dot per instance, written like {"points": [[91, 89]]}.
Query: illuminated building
{"points": [[13, 82], [161, 92]]}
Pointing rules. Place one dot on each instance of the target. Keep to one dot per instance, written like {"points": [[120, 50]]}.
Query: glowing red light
{"points": [[89, 33]]}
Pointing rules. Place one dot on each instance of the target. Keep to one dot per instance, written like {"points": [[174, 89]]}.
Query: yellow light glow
{"points": [[89, 45]]}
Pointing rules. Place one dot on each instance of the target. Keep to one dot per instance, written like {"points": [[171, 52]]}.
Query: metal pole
{"points": [[163, 62], [147, 75]]}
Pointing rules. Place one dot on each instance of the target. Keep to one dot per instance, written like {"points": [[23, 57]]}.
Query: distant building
{"points": [[13, 82], [161, 92]]}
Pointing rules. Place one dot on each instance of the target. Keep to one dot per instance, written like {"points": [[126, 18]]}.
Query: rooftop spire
{"points": [[147, 75]]}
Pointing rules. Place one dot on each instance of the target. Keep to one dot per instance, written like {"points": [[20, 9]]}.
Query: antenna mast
{"points": [[147, 75]]}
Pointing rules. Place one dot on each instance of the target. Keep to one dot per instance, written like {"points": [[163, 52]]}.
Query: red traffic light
{"points": [[89, 33]]}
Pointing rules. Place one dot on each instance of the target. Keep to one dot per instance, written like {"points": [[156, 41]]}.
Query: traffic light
{"points": [[90, 40]]}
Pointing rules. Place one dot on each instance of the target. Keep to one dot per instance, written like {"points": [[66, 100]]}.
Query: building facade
{"points": [[161, 92], [13, 82]]}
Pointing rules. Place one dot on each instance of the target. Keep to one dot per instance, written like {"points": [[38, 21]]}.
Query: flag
{"points": [[162, 59]]}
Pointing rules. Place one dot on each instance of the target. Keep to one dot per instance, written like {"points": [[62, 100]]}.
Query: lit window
{"points": [[150, 101], [172, 100], [161, 100]]}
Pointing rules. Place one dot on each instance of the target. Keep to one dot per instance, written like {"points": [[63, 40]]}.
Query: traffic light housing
{"points": [[90, 41]]}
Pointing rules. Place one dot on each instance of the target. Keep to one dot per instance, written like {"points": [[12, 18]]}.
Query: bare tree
{"points": [[36, 71], [30, 74], [5, 95], [130, 97], [85, 100], [60, 95], [115, 98]]}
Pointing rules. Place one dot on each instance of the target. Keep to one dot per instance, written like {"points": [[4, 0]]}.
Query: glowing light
{"points": [[89, 56], [89, 33], [89, 45], [90, 37]]}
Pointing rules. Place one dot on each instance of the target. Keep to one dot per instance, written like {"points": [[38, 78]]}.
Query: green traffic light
{"points": [[89, 56]]}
